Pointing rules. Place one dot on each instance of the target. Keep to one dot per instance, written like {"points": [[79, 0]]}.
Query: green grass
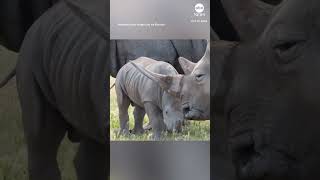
{"points": [[193, 131], [13, 154]]}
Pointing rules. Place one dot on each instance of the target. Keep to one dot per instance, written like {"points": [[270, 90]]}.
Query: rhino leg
{"points": [[42, 150], [44, 130], [123, 105], [156, 119], [91, 161], [138, 113]]}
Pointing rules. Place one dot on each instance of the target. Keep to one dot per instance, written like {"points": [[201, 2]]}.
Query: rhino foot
{"points": [[147, 127], [124, 132], [138, 131], [156, 136]]}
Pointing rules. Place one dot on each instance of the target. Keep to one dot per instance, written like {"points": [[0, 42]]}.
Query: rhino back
{"points": [[70, 68], [140, 88]]}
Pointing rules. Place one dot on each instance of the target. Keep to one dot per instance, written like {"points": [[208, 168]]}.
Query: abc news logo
{"points": [[199, 8]]}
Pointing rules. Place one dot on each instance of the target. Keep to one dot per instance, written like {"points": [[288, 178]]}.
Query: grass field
{"points": [[193, 131], [13, 156]]}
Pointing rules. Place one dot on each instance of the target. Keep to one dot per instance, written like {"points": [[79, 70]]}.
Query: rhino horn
{"points": [[206, 57], [171, 84], [249, 17], [186, 65]]}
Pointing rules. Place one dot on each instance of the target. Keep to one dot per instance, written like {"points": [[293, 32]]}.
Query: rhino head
{"points": [[195, 87], [172, 111], [171, 104]]}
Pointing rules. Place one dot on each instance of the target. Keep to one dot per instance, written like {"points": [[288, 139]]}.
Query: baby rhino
{"points": [[147, 96]]}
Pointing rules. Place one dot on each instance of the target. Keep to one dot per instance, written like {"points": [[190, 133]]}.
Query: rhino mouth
{"points": [[255, 163], [243, 154], [255, 155], [192, 113]]}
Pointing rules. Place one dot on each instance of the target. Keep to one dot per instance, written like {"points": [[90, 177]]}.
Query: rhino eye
{"points": [[285, 46], [199, 77], [287, 51]]}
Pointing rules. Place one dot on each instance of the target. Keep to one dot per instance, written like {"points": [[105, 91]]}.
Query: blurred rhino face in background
{"points": [[273, 99]]}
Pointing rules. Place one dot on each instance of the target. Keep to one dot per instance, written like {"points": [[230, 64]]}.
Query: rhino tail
{"points": [[8, 78]]}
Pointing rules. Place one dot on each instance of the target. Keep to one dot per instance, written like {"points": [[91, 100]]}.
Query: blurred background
{"points": [[13, 155]]}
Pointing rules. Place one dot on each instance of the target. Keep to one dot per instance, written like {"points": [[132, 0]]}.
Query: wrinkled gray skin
{"points": [[221, 166], [147, 96], [61, 92], [272, 90]]}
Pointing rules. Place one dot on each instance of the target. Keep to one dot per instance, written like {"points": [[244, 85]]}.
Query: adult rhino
{"points": [[271, 83]]}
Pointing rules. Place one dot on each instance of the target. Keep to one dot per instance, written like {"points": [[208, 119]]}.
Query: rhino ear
{"points": [[171, 84], [186, 65], [249, 17]]}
